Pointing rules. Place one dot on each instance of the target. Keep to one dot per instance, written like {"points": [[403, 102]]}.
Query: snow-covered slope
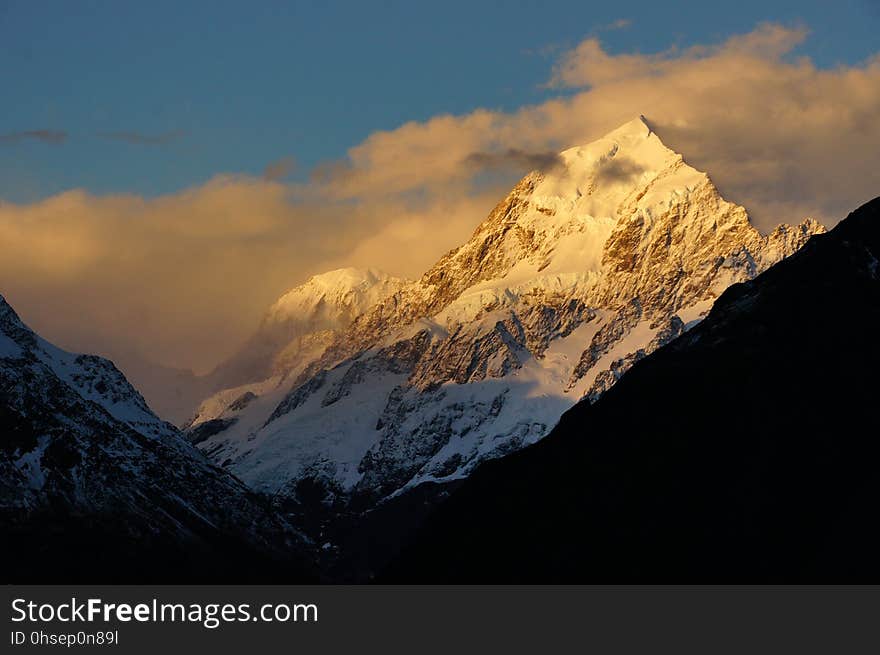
{"points": [[302, 320], [294, 332], [580, 271], [89, 477]]}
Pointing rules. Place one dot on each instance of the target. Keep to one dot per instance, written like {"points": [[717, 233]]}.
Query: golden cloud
{"points": [[182, 279], [778, 135]]}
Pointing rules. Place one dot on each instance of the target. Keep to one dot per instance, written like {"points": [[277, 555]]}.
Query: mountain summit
{"points": [[579, 272]]}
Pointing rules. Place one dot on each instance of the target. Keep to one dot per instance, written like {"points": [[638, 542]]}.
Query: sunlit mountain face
{"points": [[582, 270]]}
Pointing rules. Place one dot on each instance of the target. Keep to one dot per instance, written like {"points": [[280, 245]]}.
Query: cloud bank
{"points": [[183, 278], [54, 137], [279, 169]]}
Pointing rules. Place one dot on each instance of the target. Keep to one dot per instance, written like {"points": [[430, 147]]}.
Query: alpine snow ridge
{"points": [[303, 321], [92, 481], [579, 272], [295, 331]]}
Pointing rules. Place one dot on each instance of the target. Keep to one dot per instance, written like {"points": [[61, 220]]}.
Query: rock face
{"points": [[94, 487], [744, 451], [579, 272]]}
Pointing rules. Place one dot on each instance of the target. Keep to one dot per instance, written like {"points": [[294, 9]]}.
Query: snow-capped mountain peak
{"points": [[550, 234], [294, 331], [580, 271], [331, 300]]}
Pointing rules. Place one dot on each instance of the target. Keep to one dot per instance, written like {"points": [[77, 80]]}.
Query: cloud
{"points": [[553, 49], [183, 278], [280, 169], [777, 134], [54, 137], [179, 278], [617, 170], [513, 159], [619, 24], [589, 65], [138, 139]]}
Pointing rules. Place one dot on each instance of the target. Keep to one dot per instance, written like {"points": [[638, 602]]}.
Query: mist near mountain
{"points": [[297, 326]]}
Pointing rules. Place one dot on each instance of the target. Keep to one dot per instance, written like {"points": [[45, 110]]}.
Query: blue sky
{"points": [[232, 86]]}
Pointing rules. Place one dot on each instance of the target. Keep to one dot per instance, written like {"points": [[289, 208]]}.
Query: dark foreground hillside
{"points": [[746, 451], [95, 488]]}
